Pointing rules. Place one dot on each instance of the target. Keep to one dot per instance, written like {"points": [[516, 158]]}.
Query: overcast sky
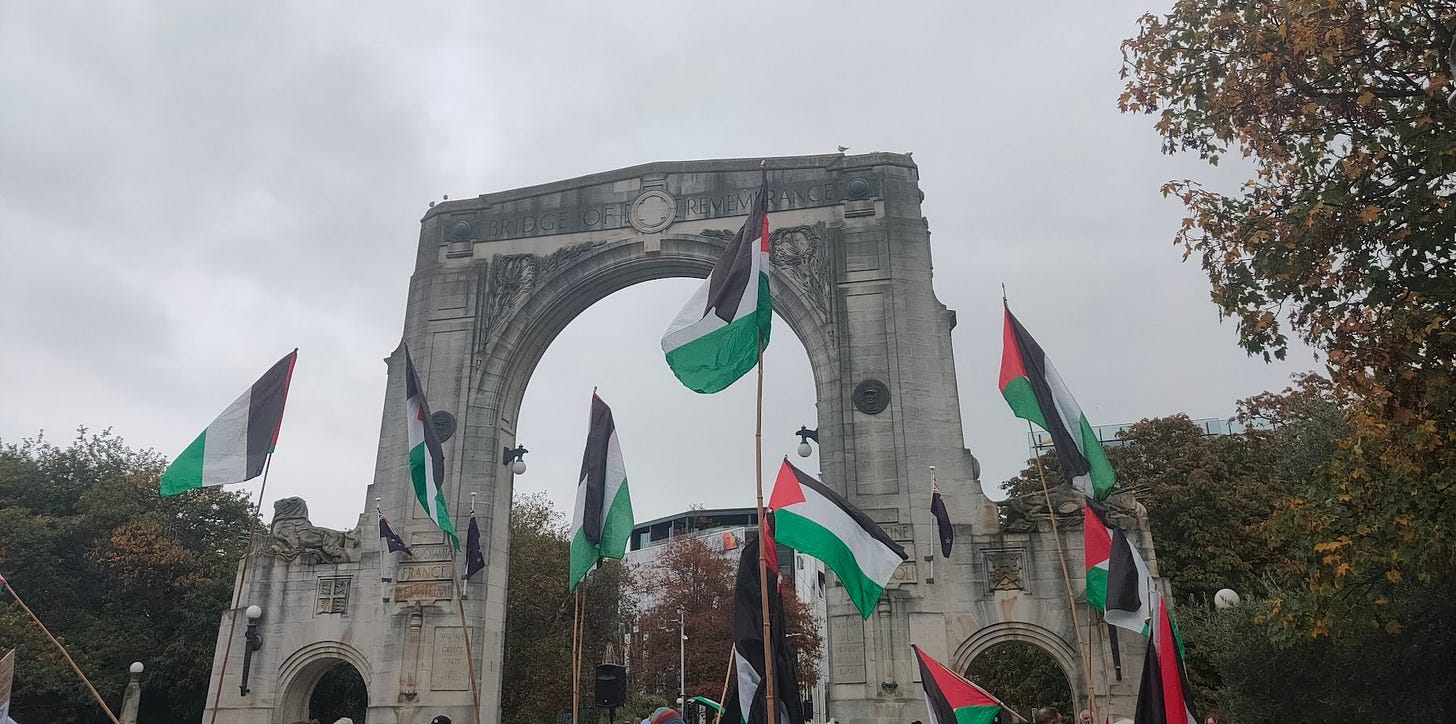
{"points": [[190, 190]]}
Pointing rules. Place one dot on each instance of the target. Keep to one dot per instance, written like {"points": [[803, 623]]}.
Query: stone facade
{"points": [[499, 276]]}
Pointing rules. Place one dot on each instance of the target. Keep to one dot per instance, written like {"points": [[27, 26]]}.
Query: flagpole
{"points": [[768, 674], [64, 653], [576, 657], [379, 511], [242, 582], [465, 631], [1066, 576], [723, 698]]}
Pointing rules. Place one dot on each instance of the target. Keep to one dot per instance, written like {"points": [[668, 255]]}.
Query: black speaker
{"points": [[611, 691]]}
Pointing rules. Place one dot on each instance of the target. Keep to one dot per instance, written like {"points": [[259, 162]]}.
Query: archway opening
{"points": [[1024, 676], [682, 450], [339, 693]]}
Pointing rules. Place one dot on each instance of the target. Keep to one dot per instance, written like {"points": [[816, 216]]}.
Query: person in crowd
{"points": [[1047, 715]]}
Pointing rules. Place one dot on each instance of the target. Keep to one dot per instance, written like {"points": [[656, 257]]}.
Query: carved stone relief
{"points": [[798, 252], [1005, 570], [513, 277], [1021, 514], [333, 595], [294, 537]]}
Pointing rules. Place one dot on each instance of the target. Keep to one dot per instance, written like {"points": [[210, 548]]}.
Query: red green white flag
{"points": [[813, 519], [1118, 581], [718, 335], [1163, 694], [951, 699], [1036, 392], [235, 447], [426, 457]]}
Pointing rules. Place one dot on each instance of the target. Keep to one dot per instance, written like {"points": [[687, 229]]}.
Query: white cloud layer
{"points": [[189, 190]]}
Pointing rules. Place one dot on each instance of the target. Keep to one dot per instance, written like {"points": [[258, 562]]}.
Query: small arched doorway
{"points": [[1023, 675], [339, 693], [324, 681]]}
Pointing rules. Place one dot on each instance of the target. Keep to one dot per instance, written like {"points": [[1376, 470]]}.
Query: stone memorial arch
{"points": [[499, 276]]}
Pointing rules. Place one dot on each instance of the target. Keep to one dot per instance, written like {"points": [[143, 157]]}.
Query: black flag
{"points": [[474, 559], [391, 538], [942, 520], [747, 690]]}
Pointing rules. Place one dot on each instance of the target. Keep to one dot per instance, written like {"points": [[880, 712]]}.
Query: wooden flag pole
{"points": [[768, 674], [1066, 577], [465, 632], [64, 653], [723, 698], [242, 583], [576, 657]]}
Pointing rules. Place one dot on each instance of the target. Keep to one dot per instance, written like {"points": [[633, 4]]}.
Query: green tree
{"points": [[117, 572], [537, 671], [1023, 676], [1345, 236], [693, 577], [1207, 500]]}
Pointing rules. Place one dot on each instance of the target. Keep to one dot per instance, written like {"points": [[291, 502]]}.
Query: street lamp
{"points": [[254, 642], [1225, 598], [682, 658], [131, 699], [515, 458], [805, 435]]}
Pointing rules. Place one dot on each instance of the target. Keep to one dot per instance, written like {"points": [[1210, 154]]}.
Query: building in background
{"points": [[1039, 442], [726, 530]]}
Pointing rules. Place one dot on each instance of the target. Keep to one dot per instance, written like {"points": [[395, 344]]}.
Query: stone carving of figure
{"points": [[1021, 514], [295, 537]]}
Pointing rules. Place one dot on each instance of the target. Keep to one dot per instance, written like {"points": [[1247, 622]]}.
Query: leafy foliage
{"points": [[1023, 676], [1346, 235], [692, 576], [1207, 500], [117, 572], [537, 671], [1366, 675]]}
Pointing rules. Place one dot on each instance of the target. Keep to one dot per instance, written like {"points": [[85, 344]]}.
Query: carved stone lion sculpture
{"points": [[295, 537], [1021, 514]]}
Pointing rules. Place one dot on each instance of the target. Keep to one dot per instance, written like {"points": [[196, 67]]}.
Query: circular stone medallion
{"points": [[653, 211], [444, 423], [871, 397]]}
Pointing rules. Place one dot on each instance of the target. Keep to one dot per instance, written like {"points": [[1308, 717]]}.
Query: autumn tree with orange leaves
{"points": [[1344, 237]]}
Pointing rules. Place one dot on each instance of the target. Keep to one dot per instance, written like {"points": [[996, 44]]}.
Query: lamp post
{"points": [[682, 658], [1225, 598], [515, 458], [805, 435], [254, 642], [131, 701]]}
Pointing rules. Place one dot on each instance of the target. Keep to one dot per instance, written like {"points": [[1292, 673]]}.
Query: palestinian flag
{"points": [[2, 583], [236, 445], [391, 538], [1036, 392], [1163, 694], [602, 520], [747, 695], [718, 335], [426, 458], [952, 699], [818, 522], [474, 558], [942, 520], [1118, 581]]}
